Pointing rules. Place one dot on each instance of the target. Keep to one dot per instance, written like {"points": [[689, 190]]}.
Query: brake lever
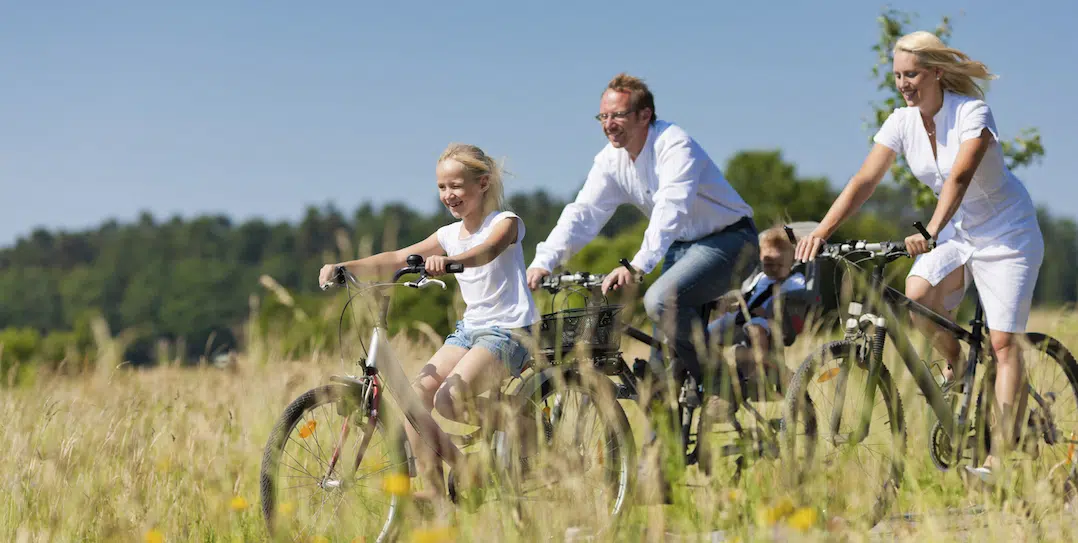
{"points": [[430, 281], [424, 282], [339, 278]]}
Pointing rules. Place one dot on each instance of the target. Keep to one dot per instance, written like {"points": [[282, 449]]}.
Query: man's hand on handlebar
{"points": [[535, 277], [621, 276]]}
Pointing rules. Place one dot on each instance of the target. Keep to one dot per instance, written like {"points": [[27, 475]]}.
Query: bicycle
{"points": [[756, 437], [355, 402], [957, 434]]}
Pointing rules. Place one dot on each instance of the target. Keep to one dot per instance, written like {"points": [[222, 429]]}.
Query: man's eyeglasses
{"points": [[617, 115]]}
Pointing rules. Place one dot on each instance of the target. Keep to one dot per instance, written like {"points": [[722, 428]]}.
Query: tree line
{"points": [[192, 282]]}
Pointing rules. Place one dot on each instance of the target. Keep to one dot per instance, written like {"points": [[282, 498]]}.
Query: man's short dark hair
{"points": [[640, 96]]}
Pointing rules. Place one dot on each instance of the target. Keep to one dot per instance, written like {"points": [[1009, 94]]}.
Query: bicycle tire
{"points": [[619, 436], [1066, 361], [796, 397], [279, 437]]}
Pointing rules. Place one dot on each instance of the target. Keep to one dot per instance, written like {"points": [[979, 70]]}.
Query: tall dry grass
{"points": [[173, 454]]}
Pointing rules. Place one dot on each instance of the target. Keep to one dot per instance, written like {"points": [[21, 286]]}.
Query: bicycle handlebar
{"points": [[415, 265], [889, 249], [584, 279]]}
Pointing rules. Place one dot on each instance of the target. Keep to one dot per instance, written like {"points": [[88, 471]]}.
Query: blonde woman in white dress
{"points": [[985, 223]]}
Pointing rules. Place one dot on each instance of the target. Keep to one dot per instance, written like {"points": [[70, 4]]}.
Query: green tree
{"points": [[771, 186]]}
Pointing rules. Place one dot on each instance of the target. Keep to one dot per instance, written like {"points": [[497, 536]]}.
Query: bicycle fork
{"points": [[858, 322], [371, 398]]}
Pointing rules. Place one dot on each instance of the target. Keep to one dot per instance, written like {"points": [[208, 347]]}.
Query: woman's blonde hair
{"points": [[476, 165], [959, 71]]}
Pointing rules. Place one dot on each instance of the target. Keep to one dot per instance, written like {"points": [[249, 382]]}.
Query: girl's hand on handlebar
{"points": [[436, 265], [327, 274], [808, 247]]}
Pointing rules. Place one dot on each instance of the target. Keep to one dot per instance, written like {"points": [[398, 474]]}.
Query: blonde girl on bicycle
{"points": [[486, 345]]}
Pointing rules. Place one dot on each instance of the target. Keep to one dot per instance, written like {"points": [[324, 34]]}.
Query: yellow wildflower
{"points": [[769, 516], [803, 519], [433, 535], [155, 536], [397, 484], [238, 503], [286, 508]]}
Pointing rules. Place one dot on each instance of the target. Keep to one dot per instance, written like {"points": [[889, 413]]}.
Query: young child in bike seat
{"points": [[486, 345], [748, 325]]}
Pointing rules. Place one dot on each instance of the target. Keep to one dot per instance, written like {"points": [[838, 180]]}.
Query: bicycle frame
{"points": [[385, 370], [892, 299], [627, 383]]}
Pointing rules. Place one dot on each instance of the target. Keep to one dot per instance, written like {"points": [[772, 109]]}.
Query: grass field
{"points": [[172, 454]]}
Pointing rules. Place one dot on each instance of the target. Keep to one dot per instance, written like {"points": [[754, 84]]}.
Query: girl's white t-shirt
{"points": [[496, 293]]}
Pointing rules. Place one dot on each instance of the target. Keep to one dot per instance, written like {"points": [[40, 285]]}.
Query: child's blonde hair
{"points": [[477, 164], [776, 237]]}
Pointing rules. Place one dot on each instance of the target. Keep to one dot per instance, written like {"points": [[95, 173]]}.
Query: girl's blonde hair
{"points": [[959, 71], [476, 165]]}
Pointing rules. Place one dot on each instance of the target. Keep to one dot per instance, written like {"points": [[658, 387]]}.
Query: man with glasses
{"points": [[698, 225]]}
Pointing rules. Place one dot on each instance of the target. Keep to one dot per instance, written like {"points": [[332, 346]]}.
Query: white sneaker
{"points": [[982, 473]]}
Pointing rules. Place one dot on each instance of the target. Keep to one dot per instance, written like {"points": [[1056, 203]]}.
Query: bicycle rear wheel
{"points": [[329, 470], [1050, 434], [857, 481]]}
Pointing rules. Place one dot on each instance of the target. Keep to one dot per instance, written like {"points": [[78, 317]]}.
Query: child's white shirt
{"points": [[496, 293]]}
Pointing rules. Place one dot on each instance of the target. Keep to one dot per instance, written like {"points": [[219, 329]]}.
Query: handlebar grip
{"points": [[454, 268], [921, 228]]}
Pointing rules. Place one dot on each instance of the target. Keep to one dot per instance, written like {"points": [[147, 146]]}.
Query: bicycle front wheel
{"points": [[857, 479], [330, 471]]}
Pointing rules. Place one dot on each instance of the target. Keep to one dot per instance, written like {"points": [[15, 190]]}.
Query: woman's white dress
{"points": [[994, 233]]}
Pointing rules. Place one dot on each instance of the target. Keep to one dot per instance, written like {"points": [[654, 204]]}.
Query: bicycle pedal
{"points": [[640, 368]]}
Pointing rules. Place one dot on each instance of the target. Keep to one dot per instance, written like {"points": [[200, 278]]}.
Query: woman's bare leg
{"points": [[921, 291], [1010, 393]]}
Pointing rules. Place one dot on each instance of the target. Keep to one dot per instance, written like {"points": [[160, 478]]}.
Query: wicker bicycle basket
{"points": [[594, 327]]}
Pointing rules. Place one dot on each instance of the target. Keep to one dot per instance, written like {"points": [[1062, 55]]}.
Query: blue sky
{"points": [[262, 108]]}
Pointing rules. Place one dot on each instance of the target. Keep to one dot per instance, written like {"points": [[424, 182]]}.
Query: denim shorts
{"points": [[500, 341]]}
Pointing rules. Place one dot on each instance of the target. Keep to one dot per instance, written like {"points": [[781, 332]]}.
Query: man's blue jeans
{"points": [[695, 273]]}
